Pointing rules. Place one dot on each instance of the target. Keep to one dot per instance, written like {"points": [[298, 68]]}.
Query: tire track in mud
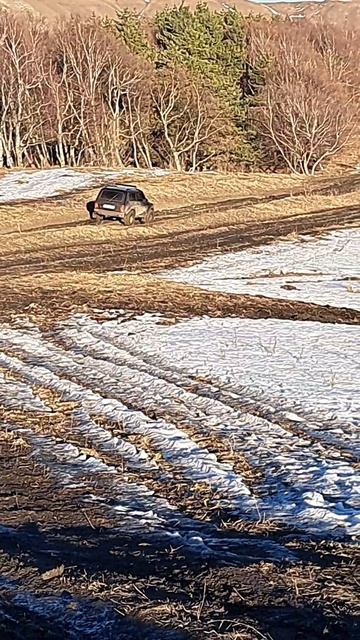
{"points": [[176, 248]]}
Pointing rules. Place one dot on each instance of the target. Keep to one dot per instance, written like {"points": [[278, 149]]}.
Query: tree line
{"points": [[191, 89]]}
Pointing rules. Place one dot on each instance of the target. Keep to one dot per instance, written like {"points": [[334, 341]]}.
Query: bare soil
{"points": [[54, 547]]}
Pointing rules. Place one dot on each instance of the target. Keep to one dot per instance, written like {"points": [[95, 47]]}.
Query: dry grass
{"points": [[51, 296], [171, 191]]}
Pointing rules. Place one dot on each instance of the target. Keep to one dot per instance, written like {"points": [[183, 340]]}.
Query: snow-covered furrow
{"points": [[16, 395], [146, 358], [305, 371], [123, 384], [136, 503], [76, 618], [215, 400], [296, 476], [73, 618], [196, 463], [333, 433], [104, 441], [60, 456], [304, 487], [135, 508], [323, 270]]}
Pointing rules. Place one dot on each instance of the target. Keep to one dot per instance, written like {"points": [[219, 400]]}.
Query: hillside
{"points": [[346, 11], [52, 8]]}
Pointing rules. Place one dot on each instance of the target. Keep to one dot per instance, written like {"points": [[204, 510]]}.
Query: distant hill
{"points": [[52, 8], [337, 11]]}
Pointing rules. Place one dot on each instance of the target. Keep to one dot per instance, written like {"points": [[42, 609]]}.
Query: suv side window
{"points": [[132, 196], [141, 196]]}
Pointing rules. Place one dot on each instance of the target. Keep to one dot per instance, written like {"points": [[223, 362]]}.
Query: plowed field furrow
{"points": [[290, 471]]}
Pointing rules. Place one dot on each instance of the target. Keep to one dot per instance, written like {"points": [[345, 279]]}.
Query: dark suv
{"points": [[125, 203]]}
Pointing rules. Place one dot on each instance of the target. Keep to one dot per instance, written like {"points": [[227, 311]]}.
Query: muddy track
{"points": [[323, 188], [136, 253], [173, 247], [191, 247]]}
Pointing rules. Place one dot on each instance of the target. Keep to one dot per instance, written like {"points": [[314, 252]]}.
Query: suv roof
{"points": [[122, 187]]}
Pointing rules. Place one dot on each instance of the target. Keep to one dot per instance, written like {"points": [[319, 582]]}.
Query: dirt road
{"points": [[180, 235]]}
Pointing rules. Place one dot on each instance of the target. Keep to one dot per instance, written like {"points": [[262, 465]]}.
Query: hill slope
{"points": [[342, 12], [102, 7]]}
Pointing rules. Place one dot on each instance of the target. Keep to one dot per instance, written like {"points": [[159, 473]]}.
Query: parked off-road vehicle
{"points": [[125, 203]]}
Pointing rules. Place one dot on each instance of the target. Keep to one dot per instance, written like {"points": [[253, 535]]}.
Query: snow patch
{"points": [[47, 183], [18, 396], [322, 270], [135, 507]]}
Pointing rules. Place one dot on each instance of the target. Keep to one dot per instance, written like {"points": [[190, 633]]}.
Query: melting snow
{"points": [[324, 270], [136, 508], [34, 185], [282, 395], [77, 618], [46, 183], [18, 396]]}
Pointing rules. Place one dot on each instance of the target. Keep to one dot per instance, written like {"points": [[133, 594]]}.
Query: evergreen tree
{"points": [[212, 46]]}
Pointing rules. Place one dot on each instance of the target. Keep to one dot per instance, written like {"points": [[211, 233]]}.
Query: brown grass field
{"points": [[54, 261]]}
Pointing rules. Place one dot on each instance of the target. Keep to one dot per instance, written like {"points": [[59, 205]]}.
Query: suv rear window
{"points": [[113, 194]]}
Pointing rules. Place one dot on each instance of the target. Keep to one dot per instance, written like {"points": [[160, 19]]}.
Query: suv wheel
{"points": [[90, 206], [149, 216], [129, 218], [98, 218]]}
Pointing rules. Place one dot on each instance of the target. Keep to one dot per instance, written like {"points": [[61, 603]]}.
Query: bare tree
{"points": [[307, 111], [190, 119], [140, 119], [22, 96], [127, 90], [73, 94]]}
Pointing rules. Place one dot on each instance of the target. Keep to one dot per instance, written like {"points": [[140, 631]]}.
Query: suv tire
{"points": [[90, 206], [98, 218], [129, 218], [149, 216]]}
